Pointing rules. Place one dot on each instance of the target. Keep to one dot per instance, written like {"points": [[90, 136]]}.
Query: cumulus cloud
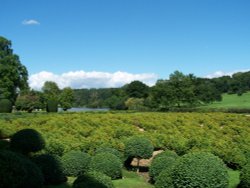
{"points": [[30, 22], [82, 79], [221, 73]]}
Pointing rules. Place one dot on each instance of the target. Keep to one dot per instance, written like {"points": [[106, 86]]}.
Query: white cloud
{"points": [[82, 79], [221, 73], [30, 22]]}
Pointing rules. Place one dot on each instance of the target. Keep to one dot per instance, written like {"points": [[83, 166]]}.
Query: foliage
{"points": [[165, 160], [138, 147], [93, 179], [75, 163], [52, 106], [66, 98], [245, 176], [164, 180], [200, 170], [51, 168], [113, 151], [51, 91], [5, 106], [136, 89], [226, 135], [17, 171], [108, 164], [135, 104], [13, 74], [28, 101], [26, 141]]}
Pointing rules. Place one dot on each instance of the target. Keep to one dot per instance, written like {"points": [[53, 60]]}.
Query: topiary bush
{"points": [[52, 106], [93, 179], [162, 161], [17, 171], [110, 150], [5, 106], [164, 179], [245, 176], [51, 168], [138, 147], [26, 141], [75, 163], [200, 170], [108, 164]]}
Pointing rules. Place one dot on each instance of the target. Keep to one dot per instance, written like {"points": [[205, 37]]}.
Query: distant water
{"points": [[84, 109]]}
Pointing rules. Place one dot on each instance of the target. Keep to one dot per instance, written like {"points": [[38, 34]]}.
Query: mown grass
{"points": [[232, 101], [234, 178]]}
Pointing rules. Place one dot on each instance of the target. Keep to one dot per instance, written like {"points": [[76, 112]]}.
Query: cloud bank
{"points": [[221, 73], [30, 22], [82, 79]]}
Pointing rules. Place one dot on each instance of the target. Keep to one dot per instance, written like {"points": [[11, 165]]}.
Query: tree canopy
{"points": [[13, 74]]}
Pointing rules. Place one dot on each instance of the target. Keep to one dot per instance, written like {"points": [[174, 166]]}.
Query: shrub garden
{"points": [[94, 148]]}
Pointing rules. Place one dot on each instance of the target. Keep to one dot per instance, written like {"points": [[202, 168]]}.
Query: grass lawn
{"points": [[234, 178], [232, 101]]}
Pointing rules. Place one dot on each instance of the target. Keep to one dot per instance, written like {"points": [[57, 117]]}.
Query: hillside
{"points": [[232, 101]]}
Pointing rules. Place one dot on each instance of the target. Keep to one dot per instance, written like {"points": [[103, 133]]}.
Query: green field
{"points": [[232, 101]]}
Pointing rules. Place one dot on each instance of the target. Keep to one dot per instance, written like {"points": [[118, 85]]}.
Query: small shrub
{"points": [[55, 148], [17, 171], [108, 164], [200, 170], [52, 106], [5, 106], [165, 160], [164, 180], [167, 153], [75, 163], [26, 141], [51, 168], [138, 147], [93, 179], [245, 176]]}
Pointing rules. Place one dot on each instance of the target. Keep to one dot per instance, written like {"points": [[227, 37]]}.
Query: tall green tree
{"points": [[51, 91], [66, 98], [13, 74], [136, 89]]}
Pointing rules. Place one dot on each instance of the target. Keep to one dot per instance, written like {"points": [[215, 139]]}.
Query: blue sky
{"points": [[134, 38]]}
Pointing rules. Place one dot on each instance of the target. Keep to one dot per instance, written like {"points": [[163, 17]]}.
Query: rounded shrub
{"points": [[138, 147], [93, 179], [75, 163], [109, 150], [52, 106], [162, 161], [51, 168], [55, 148], [200, 170], [108, 164], [245, 176], [17, 171], [167, 153], [164, 180], [26, 141], [5, 106]]}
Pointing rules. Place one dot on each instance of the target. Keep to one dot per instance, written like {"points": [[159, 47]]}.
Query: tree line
{"points": [[179, 91]]}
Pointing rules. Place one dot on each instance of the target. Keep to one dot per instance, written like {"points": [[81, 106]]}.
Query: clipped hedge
{"points": [[108, 164], [26, 141], [52, 106], [200, 170], [162, 161], [51, 168], [93, 179], [164, 180], [75, 163], [245, 176], [17, 172], [5, 106]]}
